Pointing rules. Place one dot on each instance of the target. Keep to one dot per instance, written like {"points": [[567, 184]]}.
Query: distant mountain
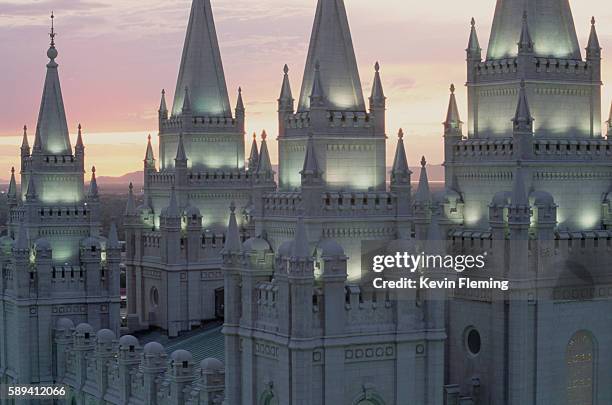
{"points": [[136, 178]]}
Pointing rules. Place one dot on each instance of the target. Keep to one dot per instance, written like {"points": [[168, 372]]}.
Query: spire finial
{"points": [[163, 92], [264, 135], [377, 66], [13, 170], [254, 136], [400, 133], [239, 90], [93, 170], [423, 162], [131, 187], [593, 20], [149, 138], [473, 22], [79, 128], [52, 33], [286, 69], [452, 88], [25, 130]]}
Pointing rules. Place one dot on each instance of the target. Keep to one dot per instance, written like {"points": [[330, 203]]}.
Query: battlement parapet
{"points": [[217, 123], [97, 366]]}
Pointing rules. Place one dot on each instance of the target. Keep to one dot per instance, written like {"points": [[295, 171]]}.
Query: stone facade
{"points": [[55, 263]]}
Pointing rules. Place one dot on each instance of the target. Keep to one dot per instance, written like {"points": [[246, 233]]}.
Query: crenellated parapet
{"points": [[96, 365]]}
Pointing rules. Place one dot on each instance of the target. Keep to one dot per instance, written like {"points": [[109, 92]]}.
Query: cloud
{"points": [[30, 8]]}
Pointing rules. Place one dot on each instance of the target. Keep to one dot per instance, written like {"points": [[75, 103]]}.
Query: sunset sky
{"points": [[115, 56]]}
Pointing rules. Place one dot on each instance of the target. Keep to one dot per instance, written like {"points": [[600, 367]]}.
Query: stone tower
{"points": [[175, 236], [55, 262], [526, 184]]}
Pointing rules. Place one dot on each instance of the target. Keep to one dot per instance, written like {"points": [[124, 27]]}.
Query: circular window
{"points": [[473, 342], [154, 296]]}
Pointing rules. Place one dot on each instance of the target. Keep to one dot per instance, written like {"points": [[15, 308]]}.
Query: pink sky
{"points": [[115, 56]]}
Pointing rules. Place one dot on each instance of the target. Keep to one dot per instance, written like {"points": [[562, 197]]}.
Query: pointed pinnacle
{"points": [[400, 133], [264, 135], [286, 69], [473, 22], [423, 162], [593, 20], [377, 66], [452, 89]]}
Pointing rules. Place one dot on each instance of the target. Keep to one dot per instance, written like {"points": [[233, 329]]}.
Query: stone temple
{"points": [[280, 256]]}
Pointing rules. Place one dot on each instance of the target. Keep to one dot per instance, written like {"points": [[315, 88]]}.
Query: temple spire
{"points": [[377, 99], [423, 194], [181, 155], [523, 120], [80, 146], [52, 130], [317, 95], [286, 96], [264, 166], [525, 44], [473, 49], [31, 194], [232, 239], [551, 29], [12, 190], [593, 48], [239, 102], [163, 107], [201, 67], [25, 145], [400, 163], [149, 159], [130, 208], [254, 156], [331, 46], [186, 108], [93, 185], [301, 247], [311, 164], [453, 120]]}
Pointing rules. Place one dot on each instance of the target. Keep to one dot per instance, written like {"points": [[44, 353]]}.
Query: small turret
{"points": [[317, 95], [181, 156], [186, 109], [31, 194], [149, 160], [163, 107], [311, 172], [453, 125], [79, 148], [93, 185], [264, 166], [422, 203], [593, 50], [232, 240], [130, 208], [285, 100], [400, 173], [523, 126], [240, 111], [474, 51], [423, 194], [254, 156], [525, 44], [378, 101], [12, 190], [25, 145], [400, 180]]}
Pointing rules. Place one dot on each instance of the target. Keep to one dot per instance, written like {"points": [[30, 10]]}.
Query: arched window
{"points": [[580, 360]]}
